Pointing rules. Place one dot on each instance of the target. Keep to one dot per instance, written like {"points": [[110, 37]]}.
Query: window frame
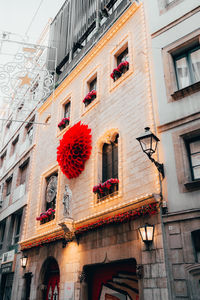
{"points": [[105, 159], [108, 136], [121, 45], [61, 114], [187, 54], [8, 186], [94, 73], [187, 143], [175, 49], [16, 224], [2, 232], [23, 167]]}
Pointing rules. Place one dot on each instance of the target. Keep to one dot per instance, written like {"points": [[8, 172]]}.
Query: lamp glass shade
{"points": [[147, 232], [24, 261], [148, 141]]}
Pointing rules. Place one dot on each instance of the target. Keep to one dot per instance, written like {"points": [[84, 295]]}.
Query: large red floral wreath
{"points": [[74, 149]]}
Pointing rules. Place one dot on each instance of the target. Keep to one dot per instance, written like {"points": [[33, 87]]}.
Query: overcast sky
{"points": [[16, 15]]}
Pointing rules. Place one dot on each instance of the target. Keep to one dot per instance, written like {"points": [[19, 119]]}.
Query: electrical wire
{"points": [[34, 16]]}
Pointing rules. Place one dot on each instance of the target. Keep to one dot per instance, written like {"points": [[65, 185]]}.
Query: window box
{"points": [[47, 216], [107, 188], [63, 123], [89, 97], [121, 69]]}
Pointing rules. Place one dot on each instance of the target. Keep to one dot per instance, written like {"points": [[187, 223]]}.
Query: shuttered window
{"points": [[110, 160]]}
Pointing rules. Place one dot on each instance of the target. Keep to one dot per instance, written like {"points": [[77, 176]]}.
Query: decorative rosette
{"points": [[74, 149]]}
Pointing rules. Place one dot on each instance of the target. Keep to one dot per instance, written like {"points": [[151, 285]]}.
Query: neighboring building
{"points": [[90, 248], [174, 27], [16, 153]]}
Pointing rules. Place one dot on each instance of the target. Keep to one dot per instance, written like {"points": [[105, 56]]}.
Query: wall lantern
{"points": [[23, 261], [147, 232], [148, 142]]}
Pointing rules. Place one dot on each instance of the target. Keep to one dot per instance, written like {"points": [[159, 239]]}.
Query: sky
{"points": [[24, 20], [16, 16]]}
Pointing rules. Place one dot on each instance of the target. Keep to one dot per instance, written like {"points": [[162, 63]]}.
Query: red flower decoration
{"points": [[74, 149]]}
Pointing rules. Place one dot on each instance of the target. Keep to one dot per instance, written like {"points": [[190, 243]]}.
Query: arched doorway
{"points": [[50, 279]]}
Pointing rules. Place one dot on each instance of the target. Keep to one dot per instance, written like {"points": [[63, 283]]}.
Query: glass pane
{"points": [[196, 172], [195, 57], [195, 159], [195, 147], [182, 72]]}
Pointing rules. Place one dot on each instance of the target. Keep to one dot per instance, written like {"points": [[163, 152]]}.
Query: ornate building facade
{"points": [[91, 185]]}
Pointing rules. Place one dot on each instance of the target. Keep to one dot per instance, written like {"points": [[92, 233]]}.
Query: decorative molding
{"points": [[179, 122]]}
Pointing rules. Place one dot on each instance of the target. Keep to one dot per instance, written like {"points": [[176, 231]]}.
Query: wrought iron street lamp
{"points": [[147, 233], [23, 261], [148, 142]]}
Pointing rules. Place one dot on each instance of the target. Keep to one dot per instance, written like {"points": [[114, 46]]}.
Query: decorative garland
{"points": [[63, 123], [74, 149], [43, 241], [147, 210]]}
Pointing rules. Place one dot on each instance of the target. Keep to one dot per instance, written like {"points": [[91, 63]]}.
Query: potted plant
{"points": [[123, 66], [46, 216], [63, 123], [108, 187], [89, 97], [115, 74]]}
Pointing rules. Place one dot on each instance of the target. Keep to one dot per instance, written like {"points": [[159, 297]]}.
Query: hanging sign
{"points": [[69, 291]]}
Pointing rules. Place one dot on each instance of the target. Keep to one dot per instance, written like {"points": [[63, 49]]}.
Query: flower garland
{"points": [[43, 241], [63, 123], [46, 214], [105, 188], [74, 149], [121, 68], [147, 210], [90, 97]]}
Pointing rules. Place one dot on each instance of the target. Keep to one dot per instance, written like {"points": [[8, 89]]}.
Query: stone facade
{"points": [[122, 107], [176, 27]]}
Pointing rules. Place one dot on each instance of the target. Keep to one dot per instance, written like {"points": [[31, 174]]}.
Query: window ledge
{"points": [[189, 90], [193, 185]]}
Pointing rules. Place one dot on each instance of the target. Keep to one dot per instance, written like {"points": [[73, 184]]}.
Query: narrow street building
{"points": [[174, 28], [91, 185], [16, 153]]}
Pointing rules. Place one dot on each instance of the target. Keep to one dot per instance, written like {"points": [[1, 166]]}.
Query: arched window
{"points": [[110, 160]]}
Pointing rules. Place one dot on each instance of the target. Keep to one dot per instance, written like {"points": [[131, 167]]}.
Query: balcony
{"points": [[77, 27]]}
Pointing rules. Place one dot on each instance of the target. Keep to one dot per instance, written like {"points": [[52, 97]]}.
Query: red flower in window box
{"points": [[46, 216], [63, 123], [123, 66], [106, 188], [74, 149], [89, 97], [115, 74]]}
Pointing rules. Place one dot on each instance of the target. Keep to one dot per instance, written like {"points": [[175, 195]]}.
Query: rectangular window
{"points": [[23, 171], [14, 145], [2, 232], [29, 130], [16, 227], [93, 85], [67, 108], [187, 67], [3, 157], [110, 160], [123, 56], [8, 186], [193, 148], [196, 243]]}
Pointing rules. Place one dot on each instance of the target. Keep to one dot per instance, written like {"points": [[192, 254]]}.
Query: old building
{"points": [[174, 28], [81, 234], [16, 151]]}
